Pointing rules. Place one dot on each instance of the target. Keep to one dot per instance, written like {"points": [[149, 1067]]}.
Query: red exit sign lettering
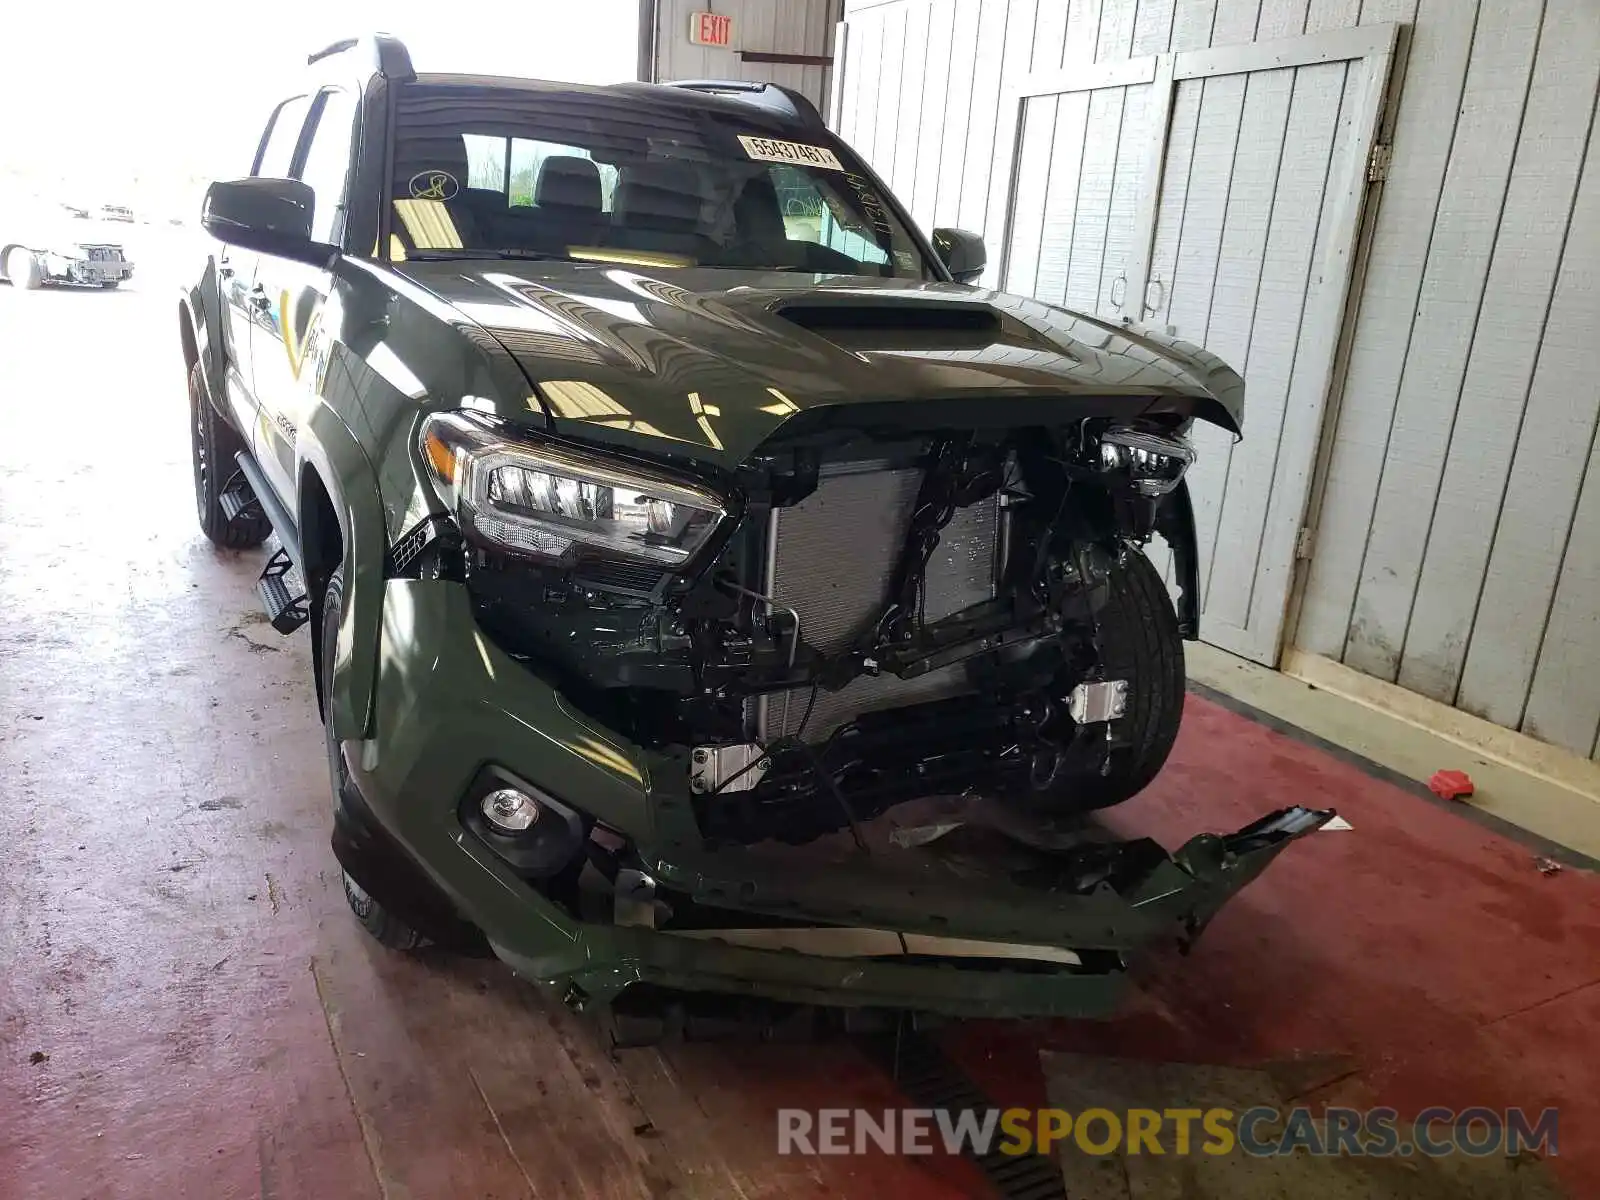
{"points": [[710, 29]]}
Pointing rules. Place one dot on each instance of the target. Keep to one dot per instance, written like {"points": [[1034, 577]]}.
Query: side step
{"points": [[239, 498], [282, 593]]}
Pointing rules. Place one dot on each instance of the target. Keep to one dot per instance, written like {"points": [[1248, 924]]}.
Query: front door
{"points": [[244, 300], [236, 279], [1215, 195]]}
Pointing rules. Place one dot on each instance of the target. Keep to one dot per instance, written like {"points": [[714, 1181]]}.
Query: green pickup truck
{"points": [[711, 586]]}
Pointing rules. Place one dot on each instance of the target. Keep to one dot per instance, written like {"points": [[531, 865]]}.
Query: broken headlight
{"points": [[554, 502], [1153, 463]]}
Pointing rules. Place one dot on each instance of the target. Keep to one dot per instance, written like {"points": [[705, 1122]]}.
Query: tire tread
{"points": [[222, 443]]}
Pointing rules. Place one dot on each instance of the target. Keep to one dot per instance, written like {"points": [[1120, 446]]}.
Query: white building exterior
{"points": [[1386, 213]]}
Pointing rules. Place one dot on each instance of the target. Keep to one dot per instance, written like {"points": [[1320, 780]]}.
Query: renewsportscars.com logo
{"points": [[1259, 1132]]}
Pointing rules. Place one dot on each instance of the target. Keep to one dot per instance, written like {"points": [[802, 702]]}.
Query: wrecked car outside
{"points": [[710, 586], [42, 245]]}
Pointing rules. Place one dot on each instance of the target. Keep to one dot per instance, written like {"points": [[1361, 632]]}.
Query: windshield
{"points": [[607, 177]]}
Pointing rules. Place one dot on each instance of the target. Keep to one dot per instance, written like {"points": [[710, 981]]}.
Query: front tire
{"points": [[214, 446], [111, 284], [22, 268], [377, 920], [1139, 642], [382, 924]]}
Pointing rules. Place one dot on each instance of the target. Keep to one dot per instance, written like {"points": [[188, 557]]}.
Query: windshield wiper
{"points": [[479, 253]]}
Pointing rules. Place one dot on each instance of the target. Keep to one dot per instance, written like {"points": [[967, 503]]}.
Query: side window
{"points": [[327, 164], [811, 214], [276, 156]]}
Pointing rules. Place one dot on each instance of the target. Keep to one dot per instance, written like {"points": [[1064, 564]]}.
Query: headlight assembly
{"points": [[1153, 463], [554, 503]]}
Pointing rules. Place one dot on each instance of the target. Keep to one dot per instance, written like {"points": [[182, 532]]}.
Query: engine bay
{"points": [[880, 618]]}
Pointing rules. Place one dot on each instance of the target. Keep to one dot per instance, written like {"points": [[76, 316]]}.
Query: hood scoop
{"points": [[878, 325]]}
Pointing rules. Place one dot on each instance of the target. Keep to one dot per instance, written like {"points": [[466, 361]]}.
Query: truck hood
{"points": [[710, 363]]}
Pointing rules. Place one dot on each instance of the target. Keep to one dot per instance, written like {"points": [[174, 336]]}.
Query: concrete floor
{"points": [[187, 1008]]}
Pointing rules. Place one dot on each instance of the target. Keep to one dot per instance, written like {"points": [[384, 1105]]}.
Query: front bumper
{"points": [[450, 703]]}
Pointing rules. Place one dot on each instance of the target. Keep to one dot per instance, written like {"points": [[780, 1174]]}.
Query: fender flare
{"points": [[189, 331], [1175, 523], [326, 448], [201, 307]]}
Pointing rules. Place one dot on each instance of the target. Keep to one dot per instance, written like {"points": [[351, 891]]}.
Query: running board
{"points": [[282, 523], [239, 499], [282, 593]]}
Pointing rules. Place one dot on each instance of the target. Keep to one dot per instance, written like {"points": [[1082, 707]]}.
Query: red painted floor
{"points": [[1422, 958], [187, 1010]]}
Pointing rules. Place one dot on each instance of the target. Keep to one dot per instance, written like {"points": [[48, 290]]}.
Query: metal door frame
{"points": [[1328, 302]]}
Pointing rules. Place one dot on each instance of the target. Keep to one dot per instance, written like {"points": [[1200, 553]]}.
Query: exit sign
{"points": [[710, 29]]}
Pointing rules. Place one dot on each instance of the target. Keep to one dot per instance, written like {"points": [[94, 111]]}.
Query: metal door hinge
{"points": [[1302, 543], [1379, 161]]}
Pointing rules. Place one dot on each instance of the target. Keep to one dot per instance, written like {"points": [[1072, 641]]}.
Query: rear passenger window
{"points": [[486, 161], [283, 134]]}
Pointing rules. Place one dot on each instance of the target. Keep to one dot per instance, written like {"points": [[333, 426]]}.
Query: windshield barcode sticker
{"points": [[797, 153]]}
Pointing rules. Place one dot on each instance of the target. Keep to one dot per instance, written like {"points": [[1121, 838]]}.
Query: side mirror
{"points": [[272, 216], [961, 252]]}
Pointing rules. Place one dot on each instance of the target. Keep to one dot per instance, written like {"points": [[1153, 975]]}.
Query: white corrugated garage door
{"points": [[1225, 187]]}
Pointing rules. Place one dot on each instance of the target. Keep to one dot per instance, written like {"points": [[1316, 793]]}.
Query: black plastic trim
{"points": [[377, 861], [1175, 523], [772, 97], [388, 53]]}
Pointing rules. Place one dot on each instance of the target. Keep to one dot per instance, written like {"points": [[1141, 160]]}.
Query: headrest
{"points": [[659, 195], [568, 181], [756, 212]]}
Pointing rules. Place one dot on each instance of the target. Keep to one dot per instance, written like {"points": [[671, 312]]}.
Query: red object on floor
{"points": [[1450, 785]]}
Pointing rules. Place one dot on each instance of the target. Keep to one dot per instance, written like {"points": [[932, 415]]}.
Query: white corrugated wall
{"points": [[1457, 500], [799, 27]]}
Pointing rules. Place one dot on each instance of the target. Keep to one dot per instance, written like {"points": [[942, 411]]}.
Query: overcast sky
{"points": [[100, 91]]}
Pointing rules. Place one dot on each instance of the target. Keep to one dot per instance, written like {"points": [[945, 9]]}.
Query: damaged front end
{"points": [[975, 913], [835, 686]]}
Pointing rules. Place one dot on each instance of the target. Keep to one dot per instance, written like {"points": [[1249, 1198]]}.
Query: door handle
{"points": [[1161, 295]]}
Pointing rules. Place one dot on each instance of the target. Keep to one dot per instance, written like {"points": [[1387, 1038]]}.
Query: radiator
{"points": [[830, 558]]}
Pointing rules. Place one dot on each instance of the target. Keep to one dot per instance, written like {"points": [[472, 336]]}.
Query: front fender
{"points": [[327, 448]]}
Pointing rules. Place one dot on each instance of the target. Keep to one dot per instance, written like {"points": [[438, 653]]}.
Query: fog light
{"points": [[508, 811], [529, 829]]}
